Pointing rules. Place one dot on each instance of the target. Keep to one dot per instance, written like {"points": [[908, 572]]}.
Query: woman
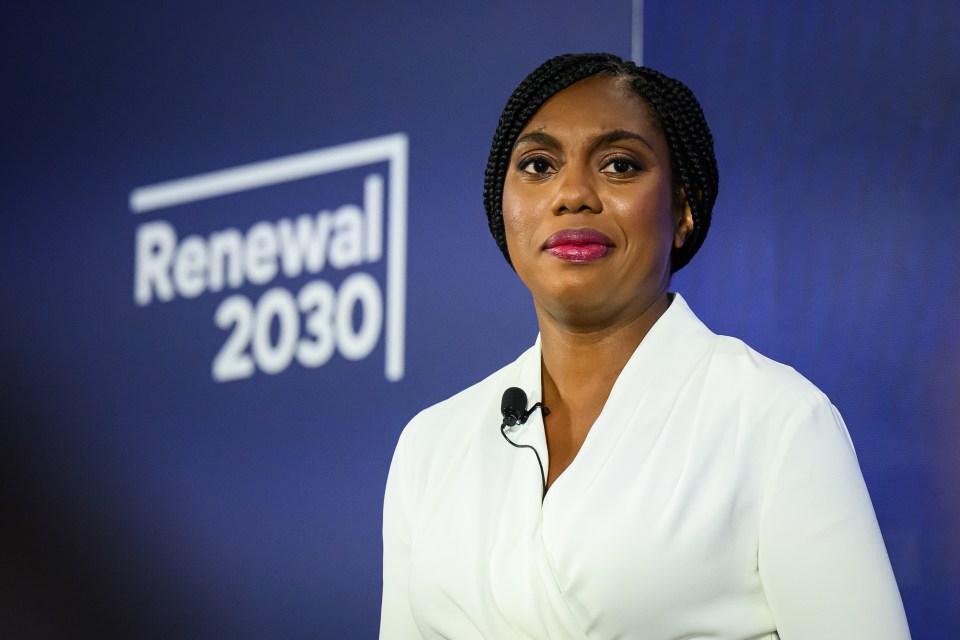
{"points": [[691, 488]]}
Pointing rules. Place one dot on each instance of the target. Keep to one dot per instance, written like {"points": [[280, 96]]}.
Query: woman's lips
{"points": [[578, 245]]}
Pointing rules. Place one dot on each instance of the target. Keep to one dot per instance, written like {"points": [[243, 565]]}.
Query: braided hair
{"points": [[674, 110]]}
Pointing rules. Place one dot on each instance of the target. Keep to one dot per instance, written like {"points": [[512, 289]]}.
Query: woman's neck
{"points": [[579, 367], [578, 359]]}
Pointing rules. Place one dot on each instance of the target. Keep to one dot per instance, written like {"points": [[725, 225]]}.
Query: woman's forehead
{"points": [[598, 103], [593, 108]]}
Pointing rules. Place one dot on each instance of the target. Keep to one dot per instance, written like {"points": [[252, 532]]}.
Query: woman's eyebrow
{"points": [[610, 137], [538, 137], [621, 134]]}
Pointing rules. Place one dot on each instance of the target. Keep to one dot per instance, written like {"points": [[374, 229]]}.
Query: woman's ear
{"points": [[684, 220]]}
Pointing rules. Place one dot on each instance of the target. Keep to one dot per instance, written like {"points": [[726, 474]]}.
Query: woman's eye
{"points": [[535, 166], [620, 165]]}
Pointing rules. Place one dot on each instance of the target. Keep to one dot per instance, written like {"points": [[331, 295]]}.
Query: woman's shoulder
{"points": [[735, 370], [476, 406], [742, 366], [765, 398]]}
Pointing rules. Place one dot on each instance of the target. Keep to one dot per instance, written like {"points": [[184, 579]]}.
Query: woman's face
{"points": [[588, 205]]}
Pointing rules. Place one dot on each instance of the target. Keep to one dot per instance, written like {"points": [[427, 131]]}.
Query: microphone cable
{"points": [[513, 408]]}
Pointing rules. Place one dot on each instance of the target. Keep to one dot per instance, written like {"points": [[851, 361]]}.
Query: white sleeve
{"points": [[396, 620], [822, 560]]}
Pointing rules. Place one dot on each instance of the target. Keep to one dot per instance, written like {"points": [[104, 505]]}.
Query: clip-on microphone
{"points": [[513, 407]]}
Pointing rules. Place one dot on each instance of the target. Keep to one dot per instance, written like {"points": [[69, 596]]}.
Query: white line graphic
{"points": [[636, 33]]}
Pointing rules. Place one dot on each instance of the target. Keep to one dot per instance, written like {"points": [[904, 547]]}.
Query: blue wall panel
{"points": [[147, 498]]}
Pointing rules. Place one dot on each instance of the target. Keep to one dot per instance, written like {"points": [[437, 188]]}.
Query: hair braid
{"points": [[675, 112]]}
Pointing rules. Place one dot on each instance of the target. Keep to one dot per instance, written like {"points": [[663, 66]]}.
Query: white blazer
{"points": [[717, 495]]}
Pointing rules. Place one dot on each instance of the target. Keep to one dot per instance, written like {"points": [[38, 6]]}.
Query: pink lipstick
{"points": [[578, 245]]}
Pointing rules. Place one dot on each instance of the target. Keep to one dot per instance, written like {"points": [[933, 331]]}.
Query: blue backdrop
{"points": [[245, 243]]}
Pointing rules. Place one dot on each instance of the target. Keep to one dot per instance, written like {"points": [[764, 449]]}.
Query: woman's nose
{"points": [[576, 191]]}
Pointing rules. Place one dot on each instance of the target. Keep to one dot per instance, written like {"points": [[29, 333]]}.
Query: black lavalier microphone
{"points": [[513, 407]]}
